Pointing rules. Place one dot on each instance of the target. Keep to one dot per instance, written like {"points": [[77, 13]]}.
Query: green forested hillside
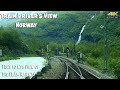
{"points": [[49, 31], [92, 43], [95, 35], [60, 32], [61, 29], [54, 31]]}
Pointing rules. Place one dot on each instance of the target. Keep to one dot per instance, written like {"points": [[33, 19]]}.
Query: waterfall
{"points": [[79, 39], [92, 17], [80, 35]]}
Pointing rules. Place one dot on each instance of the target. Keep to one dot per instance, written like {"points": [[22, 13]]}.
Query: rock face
{"points": [[56, 71]]}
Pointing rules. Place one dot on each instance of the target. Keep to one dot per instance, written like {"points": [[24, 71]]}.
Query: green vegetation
{"points": [[53, 32], [59, 33], [93, 44], [11, 44], [59, 30], [8, 58]]}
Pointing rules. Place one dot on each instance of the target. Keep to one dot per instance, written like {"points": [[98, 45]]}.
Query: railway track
{"points": [[74, 71]]}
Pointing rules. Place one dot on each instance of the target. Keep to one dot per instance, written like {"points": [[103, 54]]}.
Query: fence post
{"points": [[81, 57], [78, 57]]}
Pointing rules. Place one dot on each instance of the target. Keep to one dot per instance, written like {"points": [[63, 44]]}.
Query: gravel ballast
{"points": [[55, 72]]}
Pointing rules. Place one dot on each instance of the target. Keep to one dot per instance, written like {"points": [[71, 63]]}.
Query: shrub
{"points": [[117, 70], [95, 54], [92, 62]]}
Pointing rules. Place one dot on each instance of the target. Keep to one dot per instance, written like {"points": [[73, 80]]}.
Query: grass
{"points": [[98, 63], [95, 62]]}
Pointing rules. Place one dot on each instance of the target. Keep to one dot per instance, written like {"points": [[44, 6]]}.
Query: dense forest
{"points": [[60, 32]]}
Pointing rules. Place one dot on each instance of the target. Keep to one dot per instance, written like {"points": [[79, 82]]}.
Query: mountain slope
{"points": [[61, 29], [93, 44]]}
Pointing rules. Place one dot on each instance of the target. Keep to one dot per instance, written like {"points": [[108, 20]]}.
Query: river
{"points": [[21, 68]]}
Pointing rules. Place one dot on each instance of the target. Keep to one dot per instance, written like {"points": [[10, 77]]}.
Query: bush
{"points": [[92, 62], [117, 70], [95, 54], [7, 57]]}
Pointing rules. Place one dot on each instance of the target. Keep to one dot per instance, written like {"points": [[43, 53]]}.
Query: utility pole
{"points": [[112, 14], [105, 43], [74, 44], [74, 48], [47, 48]]}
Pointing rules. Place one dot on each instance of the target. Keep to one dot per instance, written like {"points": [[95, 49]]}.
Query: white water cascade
{"points": [[80, 35], [92, 17], [79, 39]]}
